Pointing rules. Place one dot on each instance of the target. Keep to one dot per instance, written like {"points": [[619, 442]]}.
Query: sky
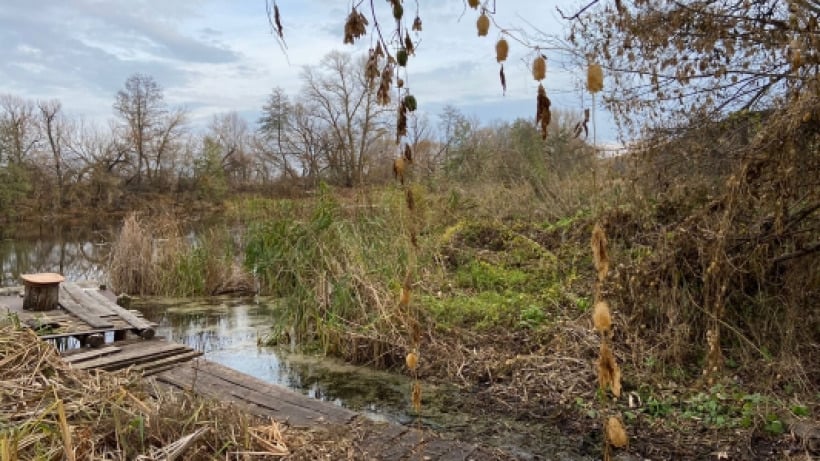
{"points": [[219, 56]]}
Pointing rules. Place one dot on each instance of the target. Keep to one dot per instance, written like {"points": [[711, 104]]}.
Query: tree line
{"points": [[331, 131]]}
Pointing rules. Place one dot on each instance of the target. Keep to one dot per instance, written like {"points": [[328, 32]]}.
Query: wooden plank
{"points": [[146, 368], [145, 328], [80, 356], [134, 354], [264, 398], [81, 331], [84, 314], [210, 386], [79, 296]]}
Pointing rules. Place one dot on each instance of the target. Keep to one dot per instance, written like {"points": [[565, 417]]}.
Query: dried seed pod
{"points": [[503, 80], [401, 122], [609, 373], [539, 68], [410, 102], [473, 3], [542, 114], [371, 70], [599, 251], [595, 78], [416, 396], [417, 24], [615, 432], [483, 25], [383, 93], [398, 173], [502, 49], [400, 83], [404, 300], [398, 10], [355, 26], [408, 44], [601, 317], [412, 360]]}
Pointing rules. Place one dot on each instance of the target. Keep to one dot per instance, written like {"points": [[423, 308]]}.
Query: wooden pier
{"points": [[110, 337]]}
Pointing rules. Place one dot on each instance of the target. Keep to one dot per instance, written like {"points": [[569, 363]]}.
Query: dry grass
{"points": [[151, 256], [50, 411], [131, 264]]}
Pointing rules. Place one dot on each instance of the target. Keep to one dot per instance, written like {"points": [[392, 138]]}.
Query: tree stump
{"points": [[41, 291]]}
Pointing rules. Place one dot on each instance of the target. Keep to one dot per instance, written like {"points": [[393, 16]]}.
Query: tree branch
{"points": [[578, 13]]}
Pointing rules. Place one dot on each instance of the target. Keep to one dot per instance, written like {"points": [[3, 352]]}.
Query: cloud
{"points": [[215, 56]]}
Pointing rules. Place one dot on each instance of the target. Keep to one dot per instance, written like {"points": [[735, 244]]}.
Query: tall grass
{"points": [[153, 256], [334, 267]]}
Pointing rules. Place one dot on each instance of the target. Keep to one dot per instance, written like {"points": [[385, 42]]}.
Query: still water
{"points": [[229, 331]]}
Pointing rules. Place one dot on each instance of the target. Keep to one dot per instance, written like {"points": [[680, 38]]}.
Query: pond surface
{"points": [[229, 331]]}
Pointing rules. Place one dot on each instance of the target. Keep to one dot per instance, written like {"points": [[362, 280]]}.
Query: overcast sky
{"points": [[216, 56]]}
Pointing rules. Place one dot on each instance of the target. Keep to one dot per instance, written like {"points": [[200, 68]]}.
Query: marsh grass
{"points": [[333, 265], [154, 256]]}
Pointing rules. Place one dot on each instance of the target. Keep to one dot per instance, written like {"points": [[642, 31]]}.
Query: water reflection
{"points": [[79, 253], [228, 331]]}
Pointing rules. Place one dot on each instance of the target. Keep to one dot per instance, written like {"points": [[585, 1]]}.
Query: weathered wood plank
{"points": [[76, 294], [212, 387], [263, 398], [88, 355], [145, 328], [149, 367], [133, 355], [85, 314], [279, 393]]}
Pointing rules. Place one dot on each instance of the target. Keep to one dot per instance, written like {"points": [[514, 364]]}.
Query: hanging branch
{"points": [[579, 12]]}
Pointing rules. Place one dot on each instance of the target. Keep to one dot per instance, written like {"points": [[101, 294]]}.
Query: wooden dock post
{"points": [[41, 291]]}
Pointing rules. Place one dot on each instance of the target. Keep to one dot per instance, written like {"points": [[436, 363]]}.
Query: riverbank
{"points": [[504, 298]]}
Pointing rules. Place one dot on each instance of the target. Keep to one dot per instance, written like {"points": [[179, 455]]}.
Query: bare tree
{"points": [[55, 129], [19, 133], [231, 136], [337, 95], [151, 131]]}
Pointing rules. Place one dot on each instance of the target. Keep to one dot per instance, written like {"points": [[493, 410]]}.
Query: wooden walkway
{"points": [[383, 441], [128, 342], [109, 336]]}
